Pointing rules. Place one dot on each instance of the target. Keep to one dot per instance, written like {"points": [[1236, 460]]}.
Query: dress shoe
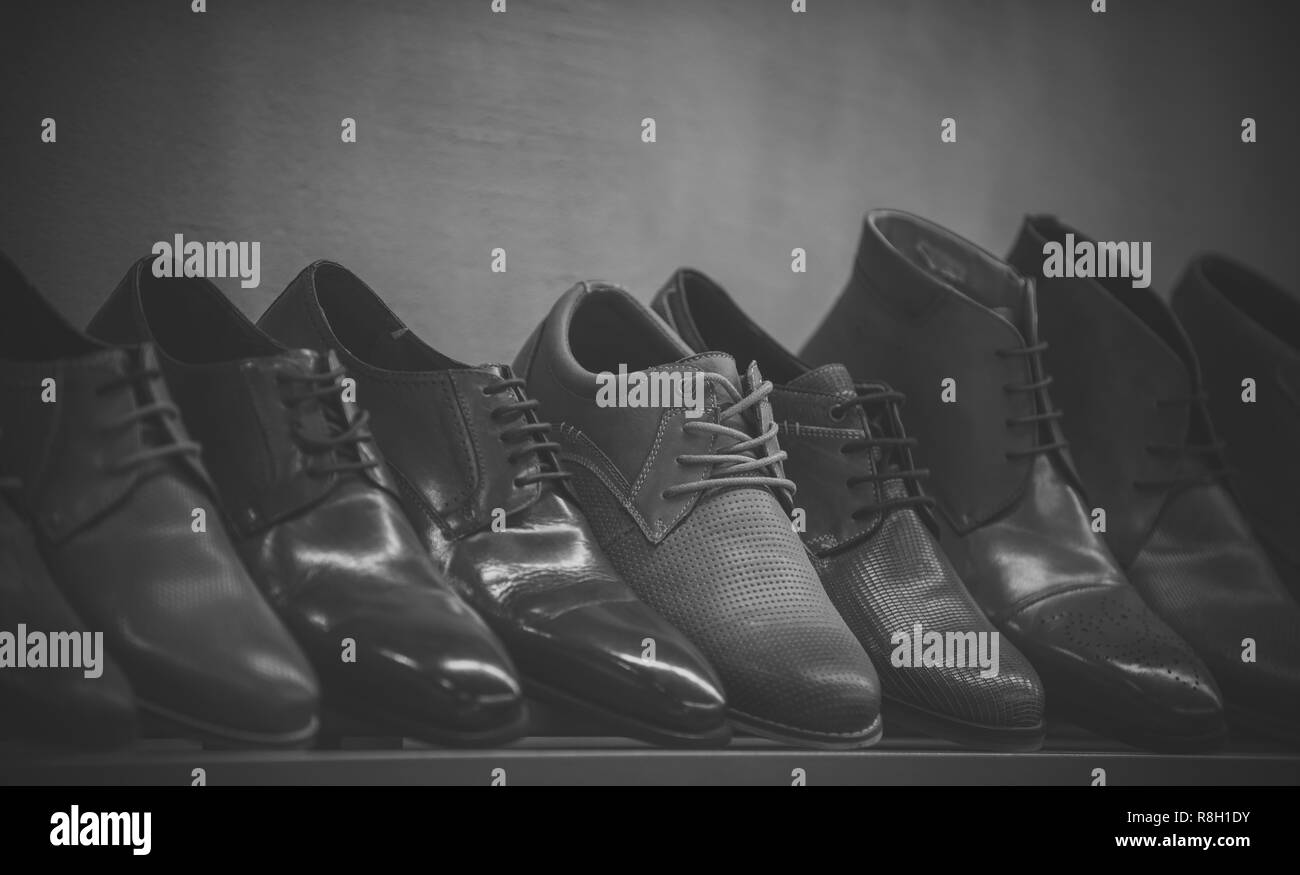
{"points": [[869, 527], [956, 330], [83, 705], [479, 480], [1245, 327], [694, 513], [1151, 458], [317, 518], [122, 508]]}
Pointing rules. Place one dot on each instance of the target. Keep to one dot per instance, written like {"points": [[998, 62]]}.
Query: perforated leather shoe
{"points": [[956, 330], [125, 516], [694, 513], [871, 533], [1151, 457], [316, 517], [479, 480], [76, 702]]}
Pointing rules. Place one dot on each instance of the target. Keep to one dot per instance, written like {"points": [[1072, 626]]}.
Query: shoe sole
{"points": [[633, 727], [368, 719], [229, 736], [807, 738], [977, 736]]}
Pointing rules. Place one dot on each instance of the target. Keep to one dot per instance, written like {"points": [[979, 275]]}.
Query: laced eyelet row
{"points": [[891, 450], [531, 435]]}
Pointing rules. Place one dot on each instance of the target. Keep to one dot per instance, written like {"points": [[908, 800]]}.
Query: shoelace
{"points": [[895, 460], [154, 413], [534, 434], [1034, 352], [1216, 470], [324, 388], [734, 465]]}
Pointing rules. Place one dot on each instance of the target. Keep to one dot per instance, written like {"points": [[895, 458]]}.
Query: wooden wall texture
{"points": [[522, 130]]}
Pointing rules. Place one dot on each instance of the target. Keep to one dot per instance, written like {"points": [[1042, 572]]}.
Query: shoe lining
{"points": [[368, 329], [609, 329], [191, 321], [951, 260], [31, 330], [1270, 306], [724, 328]]}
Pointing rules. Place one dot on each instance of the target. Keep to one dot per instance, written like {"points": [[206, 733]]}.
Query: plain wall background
{"points": [[522, 130]]}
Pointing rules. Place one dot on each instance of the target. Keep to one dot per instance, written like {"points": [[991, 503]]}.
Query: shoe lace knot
{"points": [[751, 459], [531, 436], [890, 449], [1037, 391], [340, 446], [152, 416]]}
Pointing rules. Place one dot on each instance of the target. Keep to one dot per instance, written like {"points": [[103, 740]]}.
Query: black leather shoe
{"points": [[84, 701], [1245, 327], [871, 534], [693, 512], [479, 480], [956, 330], [114, 490], [318, 521], [1150, 456]]}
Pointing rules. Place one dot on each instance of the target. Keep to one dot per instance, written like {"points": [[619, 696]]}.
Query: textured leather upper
{"points": [[1186, 546], [884, 570], [176, 606], [1244, 326], [923, 305], [71, 483], [538, 576], [933, 317], [723, 564], [53, 703]]}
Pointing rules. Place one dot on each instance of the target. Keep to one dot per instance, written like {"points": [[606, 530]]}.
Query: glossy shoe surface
{"points": [[694, 513], [118, 499], [318, 521], [488, 500]]}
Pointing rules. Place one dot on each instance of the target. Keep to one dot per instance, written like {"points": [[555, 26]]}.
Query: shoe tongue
{"points": [[317, 419], [723, 365], [1020, 312], [833, 379], [495, 370], [305, 361], [715, 363]]}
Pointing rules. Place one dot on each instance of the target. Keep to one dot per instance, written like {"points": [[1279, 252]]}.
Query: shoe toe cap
{"points": [[418, 652], [1105, 649], [825, 691], [622, 656]]}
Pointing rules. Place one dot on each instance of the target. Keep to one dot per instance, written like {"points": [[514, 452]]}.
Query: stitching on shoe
{"points": [[478, 487], [861, 733], [1027, 602], [404, 485]]}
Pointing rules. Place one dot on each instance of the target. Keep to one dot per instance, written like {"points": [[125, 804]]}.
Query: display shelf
{"points": [[1067, 759]]}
